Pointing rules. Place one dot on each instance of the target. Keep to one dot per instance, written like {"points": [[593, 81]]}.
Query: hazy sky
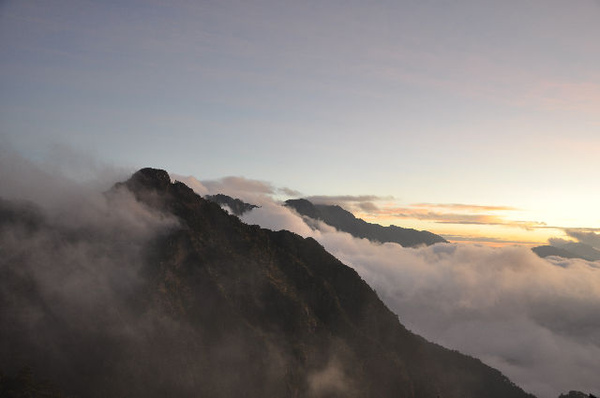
{"points": [[425, 105]]}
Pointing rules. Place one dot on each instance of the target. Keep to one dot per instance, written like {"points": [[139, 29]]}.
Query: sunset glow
{"points": [[478, 122]]}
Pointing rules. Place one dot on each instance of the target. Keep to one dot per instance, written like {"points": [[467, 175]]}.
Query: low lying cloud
{"points": [[330, 381], [251, 191], [71, 255], [385, 208], [536, 320], [276, 217]]}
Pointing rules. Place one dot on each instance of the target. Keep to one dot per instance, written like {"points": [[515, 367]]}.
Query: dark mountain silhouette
{"points": [[569, 250], [576, 394], [582, 250], [545, 251], [206, 307], [237, 206], [345, 221]]}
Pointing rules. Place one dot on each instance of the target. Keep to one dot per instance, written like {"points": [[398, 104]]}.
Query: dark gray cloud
{"points": [[588, 237], [586, 244]]}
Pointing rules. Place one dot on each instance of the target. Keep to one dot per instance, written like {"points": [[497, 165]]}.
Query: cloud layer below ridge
{"points": [[536, 320]]}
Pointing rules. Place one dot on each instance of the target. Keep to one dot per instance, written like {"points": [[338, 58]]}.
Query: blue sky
{"points": [[483, 103]]}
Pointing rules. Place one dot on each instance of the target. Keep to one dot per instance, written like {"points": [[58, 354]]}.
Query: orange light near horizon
{"points": [[490, 243], [492, 234]]}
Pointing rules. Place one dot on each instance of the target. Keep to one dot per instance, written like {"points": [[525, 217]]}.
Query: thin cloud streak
{"points": [[488, 240], [454, 213], [464, 207], [252, 191], [340, 199]]}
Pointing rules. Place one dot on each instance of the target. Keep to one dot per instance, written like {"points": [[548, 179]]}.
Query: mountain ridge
{"points": [[223, 309], [345, 221], [569, 250]]}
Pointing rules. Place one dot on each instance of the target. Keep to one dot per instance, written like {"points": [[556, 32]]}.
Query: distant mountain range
{"points": [[208, 307], [340, 219], [569, 250], [345, 221], [547, 250]]}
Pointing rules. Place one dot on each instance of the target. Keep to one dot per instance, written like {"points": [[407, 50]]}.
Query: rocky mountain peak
{"points": [[213, 307], [149, 178]]}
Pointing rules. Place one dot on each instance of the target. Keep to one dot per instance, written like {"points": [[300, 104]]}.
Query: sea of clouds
{"points": [[536, 320]]}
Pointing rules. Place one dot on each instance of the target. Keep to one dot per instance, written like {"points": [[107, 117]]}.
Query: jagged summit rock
{"points": [[304, 207], [150, 178]]}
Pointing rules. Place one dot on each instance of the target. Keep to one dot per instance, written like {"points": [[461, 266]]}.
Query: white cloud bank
{"points": [[536, 320]]}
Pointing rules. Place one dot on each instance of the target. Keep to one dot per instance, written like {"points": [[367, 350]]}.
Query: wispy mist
{"points": [[537, 320], [256, 192], [87, 301], [70, 263]]}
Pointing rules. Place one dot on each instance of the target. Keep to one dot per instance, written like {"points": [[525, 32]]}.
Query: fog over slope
{"points": [[149, 290], [537, 320], [67, 274]]}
